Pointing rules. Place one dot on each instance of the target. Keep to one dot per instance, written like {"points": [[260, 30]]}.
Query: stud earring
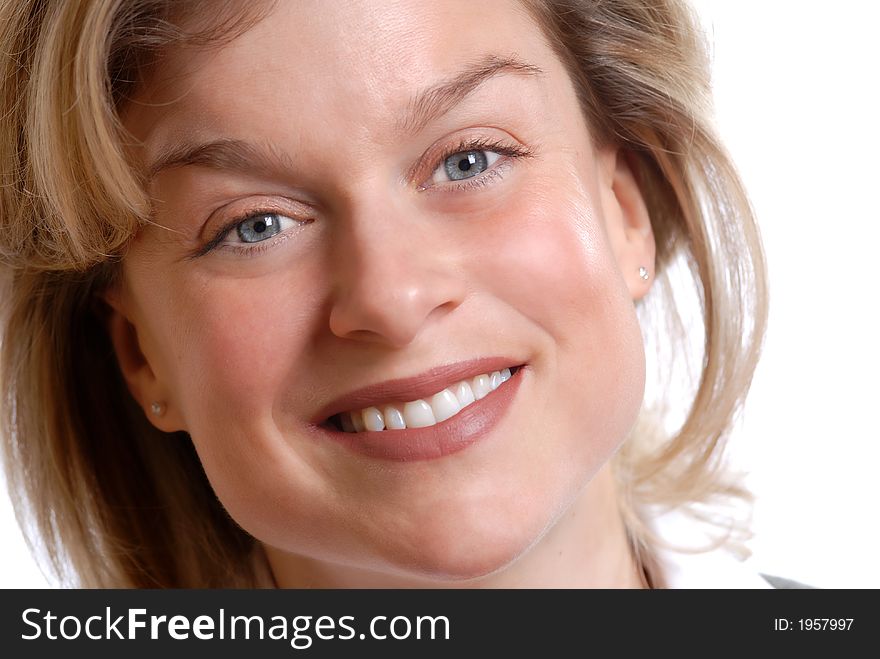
{"points": [[643, 272], [158, 408]]}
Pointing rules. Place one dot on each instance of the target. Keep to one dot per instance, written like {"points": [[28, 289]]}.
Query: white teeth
{"points": [[373, 419], [464, 393], [393, 418], [347, 425], [445, 405], [358, 419], [481, 386], [418, 414]]}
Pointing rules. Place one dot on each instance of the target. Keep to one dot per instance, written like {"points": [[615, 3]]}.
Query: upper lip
{"points": [[412, 388]]}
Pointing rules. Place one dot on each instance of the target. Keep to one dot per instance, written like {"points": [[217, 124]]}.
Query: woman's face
{"points": [[408, 187]]}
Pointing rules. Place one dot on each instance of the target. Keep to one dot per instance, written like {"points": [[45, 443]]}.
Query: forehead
{"points": [[353, 63]]}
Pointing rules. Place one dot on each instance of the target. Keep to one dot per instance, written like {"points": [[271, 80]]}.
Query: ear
{"points": [[627, 221], [140, 376]]}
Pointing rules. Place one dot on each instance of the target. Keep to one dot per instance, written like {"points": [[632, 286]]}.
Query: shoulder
{"points": [[782, 582]]}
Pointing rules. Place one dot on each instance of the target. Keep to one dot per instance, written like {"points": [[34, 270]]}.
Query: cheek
{"points": [[247, 336], [550, 261], [244, 351]]}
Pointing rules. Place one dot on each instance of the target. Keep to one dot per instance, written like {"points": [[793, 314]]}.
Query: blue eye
{"points": [[259, 227], [256, 227], [464, 164]]}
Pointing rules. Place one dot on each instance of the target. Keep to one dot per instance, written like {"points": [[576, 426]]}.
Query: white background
{"points": [[797, 104], [796, 100]]}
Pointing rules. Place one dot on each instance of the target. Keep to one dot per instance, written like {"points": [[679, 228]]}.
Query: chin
{"points": [[462, 565], [462, 553]]}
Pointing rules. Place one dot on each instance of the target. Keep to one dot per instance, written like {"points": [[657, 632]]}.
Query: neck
{"points": [[587, 547]]}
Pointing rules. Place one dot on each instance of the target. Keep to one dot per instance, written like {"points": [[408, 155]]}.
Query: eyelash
{"points": [[480, 180], [508, 150], [255, 248]]}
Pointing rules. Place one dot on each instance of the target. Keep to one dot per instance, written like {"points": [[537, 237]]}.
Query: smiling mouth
{"points": [[423, 412]]}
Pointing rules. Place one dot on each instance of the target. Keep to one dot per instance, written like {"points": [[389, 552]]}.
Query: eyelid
{"points": [[508, 148], [238, 217]]}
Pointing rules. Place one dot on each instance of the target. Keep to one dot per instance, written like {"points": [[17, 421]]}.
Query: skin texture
{"points": [[389, 272]]}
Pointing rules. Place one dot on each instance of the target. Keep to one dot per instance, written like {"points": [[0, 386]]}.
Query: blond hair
{"points": [[105, 491]]}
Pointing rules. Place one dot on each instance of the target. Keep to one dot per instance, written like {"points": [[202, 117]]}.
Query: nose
{"points": [[394, 270]]}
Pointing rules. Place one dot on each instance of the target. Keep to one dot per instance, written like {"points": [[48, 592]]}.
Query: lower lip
{"points": [[454, 434]]}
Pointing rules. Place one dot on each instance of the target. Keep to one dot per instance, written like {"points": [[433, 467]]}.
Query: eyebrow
{"points": [[425, 107], [224, 154], [432, 103]]}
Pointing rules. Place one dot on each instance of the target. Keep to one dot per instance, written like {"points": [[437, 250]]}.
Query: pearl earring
{"points": [[158, 408], [643, 272]]}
